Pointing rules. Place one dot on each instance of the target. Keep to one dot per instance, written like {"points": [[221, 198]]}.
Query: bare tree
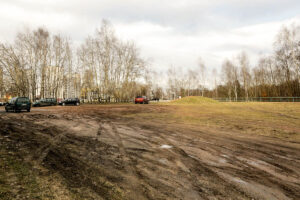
{"points": [[215, 75], [114, 65], [14, 66], [192, 78], [287, 56], [245, 73], [1, 83], [202, 75]]}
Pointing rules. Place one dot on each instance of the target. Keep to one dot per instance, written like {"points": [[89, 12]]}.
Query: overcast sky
{"points": [[173, 32]]}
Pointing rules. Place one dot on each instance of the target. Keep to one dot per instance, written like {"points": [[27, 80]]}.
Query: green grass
{"points": [[17, 178]]}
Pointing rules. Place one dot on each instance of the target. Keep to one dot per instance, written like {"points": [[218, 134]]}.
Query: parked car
{"points": [[2, 103], [70, 101], [45, 102], [17, 104], [141, 100], [155, 99]]}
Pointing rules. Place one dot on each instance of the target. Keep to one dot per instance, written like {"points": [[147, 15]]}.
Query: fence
{"points": [[260, 99]]}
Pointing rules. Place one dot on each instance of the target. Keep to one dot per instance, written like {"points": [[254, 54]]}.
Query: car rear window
{"points": [[23, 100], [13, 100], [51, 99]]}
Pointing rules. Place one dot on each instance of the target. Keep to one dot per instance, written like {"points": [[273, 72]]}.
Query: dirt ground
{"points": [[151, 152]]}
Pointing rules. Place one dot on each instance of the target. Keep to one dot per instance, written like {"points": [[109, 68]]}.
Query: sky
{"points": [[168, 33]]}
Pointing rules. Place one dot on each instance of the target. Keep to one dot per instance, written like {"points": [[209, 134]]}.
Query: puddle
{"points": [[238, 180], [193, 157], [221, 160], [165, 146], [164, 161]]}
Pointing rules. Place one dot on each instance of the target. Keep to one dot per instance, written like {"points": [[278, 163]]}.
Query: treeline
{"points": [[36, 64], [40, 65], [276, 75]]}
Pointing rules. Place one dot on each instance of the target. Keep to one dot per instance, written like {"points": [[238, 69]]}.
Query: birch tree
{"points": [[245, 73], [202, 75]]}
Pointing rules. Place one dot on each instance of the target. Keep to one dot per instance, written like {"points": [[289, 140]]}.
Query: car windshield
{"points": [[139, 97]]}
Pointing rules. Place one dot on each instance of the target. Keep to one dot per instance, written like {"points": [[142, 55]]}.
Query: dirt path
{"points": [[100, 155]]}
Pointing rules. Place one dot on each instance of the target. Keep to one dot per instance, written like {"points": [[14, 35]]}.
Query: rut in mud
{"points": [[101, 155]]}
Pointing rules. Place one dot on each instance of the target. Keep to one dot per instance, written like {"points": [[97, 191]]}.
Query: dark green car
{"points": [[45, 102], [17, 104]]}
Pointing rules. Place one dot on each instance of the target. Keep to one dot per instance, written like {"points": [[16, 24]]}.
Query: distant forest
{"points": [[276, 75], [39, 64]]}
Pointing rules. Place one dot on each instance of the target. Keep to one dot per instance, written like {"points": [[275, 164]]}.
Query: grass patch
{"points": [[21, 180], [281, 120], [193, 100], [17, 179]]}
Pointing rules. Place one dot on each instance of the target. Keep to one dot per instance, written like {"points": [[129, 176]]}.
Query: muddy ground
{"points": [[96, 152]]}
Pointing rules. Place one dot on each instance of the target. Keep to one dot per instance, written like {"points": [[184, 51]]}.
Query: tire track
{"points": [[132, 181], [198, 168]]}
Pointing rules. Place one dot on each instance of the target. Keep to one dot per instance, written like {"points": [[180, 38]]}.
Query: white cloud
{"points": [[166, 46], [167, 32]]}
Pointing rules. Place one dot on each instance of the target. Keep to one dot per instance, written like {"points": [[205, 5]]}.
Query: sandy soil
{"points": [[94, 152]]}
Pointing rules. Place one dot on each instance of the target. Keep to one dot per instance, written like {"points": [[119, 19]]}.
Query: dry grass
{"points": [[280, 120], [193, 100]]}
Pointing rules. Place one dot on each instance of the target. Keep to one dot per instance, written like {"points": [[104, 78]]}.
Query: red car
{"points": [[141, 100]]}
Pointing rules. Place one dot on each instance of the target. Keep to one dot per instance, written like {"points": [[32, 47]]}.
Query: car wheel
{"points": [[28, 110], [63, 104], [77, 104]]}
